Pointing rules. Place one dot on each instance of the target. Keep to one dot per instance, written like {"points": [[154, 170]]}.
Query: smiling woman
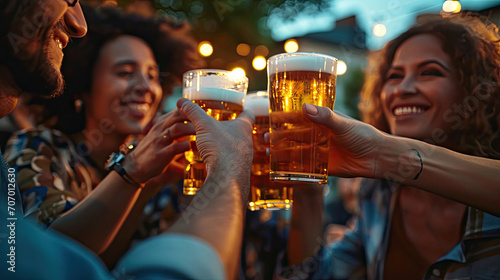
{"points": [[431, 209], [116, 77], [457, 61]]}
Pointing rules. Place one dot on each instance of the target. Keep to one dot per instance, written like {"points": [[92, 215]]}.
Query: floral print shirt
{"points": [[52, 176]]}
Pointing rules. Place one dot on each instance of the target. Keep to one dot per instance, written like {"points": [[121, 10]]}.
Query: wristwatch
{"points": [[114, 164]]}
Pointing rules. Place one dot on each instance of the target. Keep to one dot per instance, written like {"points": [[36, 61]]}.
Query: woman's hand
{"points": [[355, 145], [157, 149]]}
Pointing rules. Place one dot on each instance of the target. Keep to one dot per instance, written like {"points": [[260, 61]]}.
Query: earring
{"points": [[78, 105]]}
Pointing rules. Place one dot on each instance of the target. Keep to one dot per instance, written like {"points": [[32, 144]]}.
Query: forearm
{"points": [[217, 212], [306, 227], [468, 179], [96, 220], [123, 238]]}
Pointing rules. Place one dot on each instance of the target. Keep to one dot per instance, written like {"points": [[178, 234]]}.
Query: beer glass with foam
{"points": [[299, 148], [220, 93], [264, 194]]}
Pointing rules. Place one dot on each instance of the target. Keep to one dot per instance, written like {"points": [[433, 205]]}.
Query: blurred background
{"points": [[244, 33]]}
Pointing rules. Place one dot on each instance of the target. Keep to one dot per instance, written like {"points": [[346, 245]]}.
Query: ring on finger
{"points": [[166, 136]]}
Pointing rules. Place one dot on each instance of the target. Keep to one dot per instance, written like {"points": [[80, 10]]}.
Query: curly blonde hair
{"points": [[474, 49]]}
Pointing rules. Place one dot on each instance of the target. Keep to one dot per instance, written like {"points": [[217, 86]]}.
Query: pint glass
{"points": [[220, 93], [264, 194], [299, 148]]}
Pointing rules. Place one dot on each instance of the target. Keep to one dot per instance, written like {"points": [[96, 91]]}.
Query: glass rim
{"points": [[258, 92], [209, 70], [302, 54]]}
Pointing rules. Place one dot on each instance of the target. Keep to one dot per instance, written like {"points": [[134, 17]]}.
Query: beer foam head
{"points": [[218, 94], [258, 103], [302, 62]]}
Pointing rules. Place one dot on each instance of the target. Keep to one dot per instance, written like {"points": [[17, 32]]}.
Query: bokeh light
{"points": [[205, 48], [243, 49], [259, 63], [261, 50], [291, 45], [450, 6], [238, 72], [341, 67], [379, 30]]}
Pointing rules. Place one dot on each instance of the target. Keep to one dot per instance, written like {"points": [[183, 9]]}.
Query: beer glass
{"points": [[264, 194], [299, 148], [220, 93]]}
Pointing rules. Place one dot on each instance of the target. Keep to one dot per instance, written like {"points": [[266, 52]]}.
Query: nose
{"points": [[406, 86], [143, 85], [75, 21]]}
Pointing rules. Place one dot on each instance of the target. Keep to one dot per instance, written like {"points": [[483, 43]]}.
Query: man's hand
{"points": [[220, 143]]}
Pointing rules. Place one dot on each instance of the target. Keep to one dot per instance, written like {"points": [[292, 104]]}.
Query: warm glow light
{"points": [[261, 50], [379, 30], [243, 49], [259, 63], [291, 46], [205, 48], [450, 6], [341, 67], [238, 72]]}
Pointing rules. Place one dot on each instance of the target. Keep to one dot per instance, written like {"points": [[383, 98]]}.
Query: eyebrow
{"points": [[124, 62], [425, 63], [131, 62]]}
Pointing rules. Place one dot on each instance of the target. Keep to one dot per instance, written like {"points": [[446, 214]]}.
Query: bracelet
{"points": [[421, 164], [118, 168]]}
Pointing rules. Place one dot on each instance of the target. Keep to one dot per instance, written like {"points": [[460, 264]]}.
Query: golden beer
{"points": [[264, 194], [220, 94], [299, 148]]}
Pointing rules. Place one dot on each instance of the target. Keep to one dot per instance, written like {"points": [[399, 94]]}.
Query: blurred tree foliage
{"points": [[227, 23], [352, 88]]}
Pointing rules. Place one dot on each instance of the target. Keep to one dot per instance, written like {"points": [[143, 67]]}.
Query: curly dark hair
{"points": [[474, 50], [172, 44]]}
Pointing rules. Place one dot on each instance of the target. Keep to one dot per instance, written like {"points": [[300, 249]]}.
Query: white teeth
{"points": [[407, 110], [143, 108], [58, 42]]}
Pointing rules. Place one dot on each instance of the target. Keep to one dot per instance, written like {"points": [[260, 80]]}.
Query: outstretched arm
{"points": [[216, 214], [97, 219], [363, 151]]}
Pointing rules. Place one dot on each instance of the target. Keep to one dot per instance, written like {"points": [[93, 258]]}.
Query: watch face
{"points": [[114, 158]]}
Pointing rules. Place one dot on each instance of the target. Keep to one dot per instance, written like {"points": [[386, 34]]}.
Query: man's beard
{"points": [[37, 75], [33, 71]]}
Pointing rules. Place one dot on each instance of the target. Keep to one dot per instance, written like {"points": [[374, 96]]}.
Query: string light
{"points": [[450, 6], [379, 30], [259, 63], [341, 68], [205, 48], [291, 45]]}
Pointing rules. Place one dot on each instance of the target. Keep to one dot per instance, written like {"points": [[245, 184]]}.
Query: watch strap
{"points": [[118, 168]]}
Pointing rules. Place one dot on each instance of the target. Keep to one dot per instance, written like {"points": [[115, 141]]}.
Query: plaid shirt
{"points": [[362, 252]]}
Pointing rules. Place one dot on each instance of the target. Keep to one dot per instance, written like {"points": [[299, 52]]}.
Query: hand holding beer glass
{"points": [[299, 148], [220, 93], [264, 194]]}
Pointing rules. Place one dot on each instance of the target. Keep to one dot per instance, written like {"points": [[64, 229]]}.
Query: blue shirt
{"points": [[362, 252]]}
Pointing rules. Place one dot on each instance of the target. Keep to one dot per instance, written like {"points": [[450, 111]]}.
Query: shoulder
{"points": [[34, 141]]}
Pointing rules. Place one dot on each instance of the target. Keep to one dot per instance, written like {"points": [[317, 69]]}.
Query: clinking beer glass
{"points": [[220, 93], [299, 148], [264, 194]]}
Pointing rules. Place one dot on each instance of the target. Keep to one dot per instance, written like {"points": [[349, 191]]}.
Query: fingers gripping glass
{"points": [[71, 3]]}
